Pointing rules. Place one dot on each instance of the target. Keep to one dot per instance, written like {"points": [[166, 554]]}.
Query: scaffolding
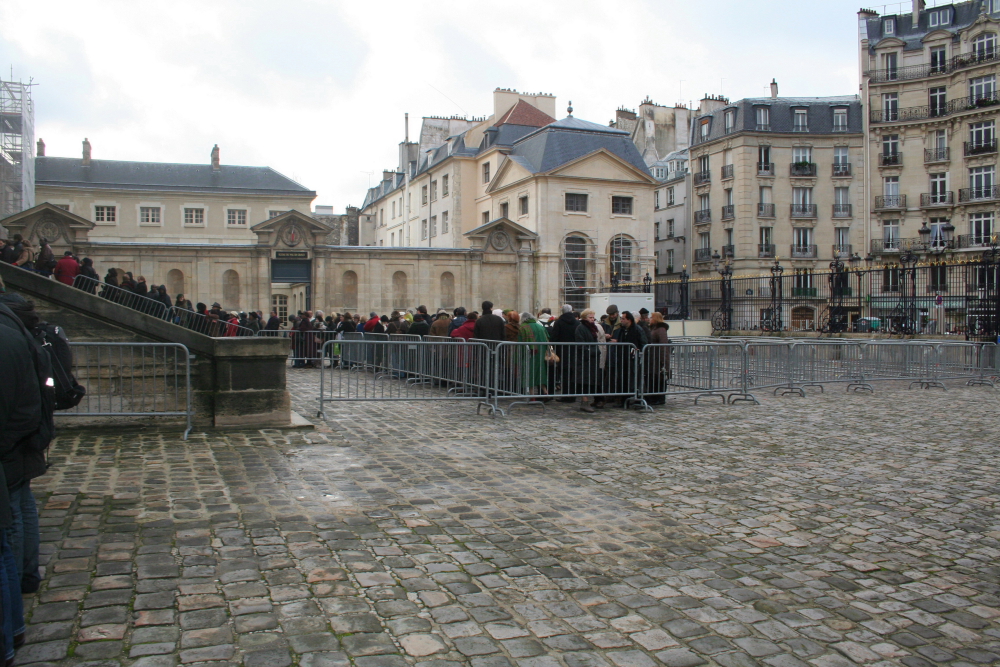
{"points": [[17, 146]]}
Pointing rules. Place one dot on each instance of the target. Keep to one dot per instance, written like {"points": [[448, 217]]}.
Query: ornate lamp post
{"points": [[838, 286], [991, 265], [615, 280], [776, 295], [647, 282], [723, 320], [908, 260]]}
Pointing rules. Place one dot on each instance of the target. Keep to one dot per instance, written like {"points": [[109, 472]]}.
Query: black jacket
{"points": [[20, 407], [564, 330], [489, 327], [420, 328]]}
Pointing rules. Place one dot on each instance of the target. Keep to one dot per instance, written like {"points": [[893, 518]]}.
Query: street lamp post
{"points": [[908, 260], [647, 283], [838, 284], [991, 267], [776, 295], [684, 310]]}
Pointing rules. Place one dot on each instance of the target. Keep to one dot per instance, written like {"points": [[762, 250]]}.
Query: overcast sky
{"points": [[317, 90]]}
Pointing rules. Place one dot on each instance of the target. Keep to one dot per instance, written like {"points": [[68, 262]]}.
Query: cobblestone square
{"points": [[834, 530]]}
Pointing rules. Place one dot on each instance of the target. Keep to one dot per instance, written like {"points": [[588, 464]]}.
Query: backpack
{"points": [[68, 392], [40, 439], [9, 254]]}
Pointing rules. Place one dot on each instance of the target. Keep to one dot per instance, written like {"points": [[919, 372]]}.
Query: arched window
{"points": [[447, 290], [175, 283], [578, 275], [621, 254], [399, 296], [230, 289], [985, 46], [350, 290]]}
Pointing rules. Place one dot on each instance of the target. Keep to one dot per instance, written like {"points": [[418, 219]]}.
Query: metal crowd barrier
{"points": [[372, 371], [701, 369], [121, 296], [133, 380], [213, 328]]}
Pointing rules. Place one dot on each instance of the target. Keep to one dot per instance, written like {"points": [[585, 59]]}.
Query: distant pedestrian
{"points": [[67, 269]]}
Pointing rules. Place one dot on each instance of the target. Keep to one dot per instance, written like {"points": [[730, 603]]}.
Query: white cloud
{"points": [[317, 90]]}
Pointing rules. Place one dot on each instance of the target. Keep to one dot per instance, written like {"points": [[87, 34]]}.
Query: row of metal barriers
{"points": [[499, 376]]}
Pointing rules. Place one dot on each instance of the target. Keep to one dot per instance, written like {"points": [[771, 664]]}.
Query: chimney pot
{"points": [[918, 6], [215, 158], [774, 89], [40, 148], [86, 152]]}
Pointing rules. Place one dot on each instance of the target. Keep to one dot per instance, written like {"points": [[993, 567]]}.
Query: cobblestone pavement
{"points": [[830, 531]]}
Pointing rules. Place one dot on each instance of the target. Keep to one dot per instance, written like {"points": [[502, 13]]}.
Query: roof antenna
{"points": [[569, 109]]}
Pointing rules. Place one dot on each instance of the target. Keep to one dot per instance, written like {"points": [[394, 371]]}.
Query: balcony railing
{"points": [[882, 246], [937, 154], [701, 177], [765, 250], [841, 169], [763, 127], [703, 216], [804, 251], [979, 194], [799, 127], [930, 199], [727, 171], [803, 291], [973, 240], [904, 73], [843, 210], [765, 210], [803, 210], [972, 59], [980, 147], [807, 169], [702, 254], [728, 212], [885, 202], [956, 105], [842, 250], [890, 159], [728, 251]]}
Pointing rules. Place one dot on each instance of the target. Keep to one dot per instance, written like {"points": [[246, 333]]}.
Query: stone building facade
{"points": [[929, 86]]}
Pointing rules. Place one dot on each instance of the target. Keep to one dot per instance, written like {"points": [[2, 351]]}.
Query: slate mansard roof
{"points": [[781, 115], [963, 15], [165, 176]]}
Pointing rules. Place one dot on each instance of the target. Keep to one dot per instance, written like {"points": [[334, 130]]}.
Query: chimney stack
{"points": [[86, 152], [387, 175], [918, 6], [774, 89], [215, 158], [40, 148]]}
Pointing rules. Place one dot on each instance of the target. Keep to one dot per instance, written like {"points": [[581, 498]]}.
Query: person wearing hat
{"points": [[644, 321], [613, 322]]}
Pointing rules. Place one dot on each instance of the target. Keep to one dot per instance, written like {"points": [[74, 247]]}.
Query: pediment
{"points": [[291, 229], [602, 165], [510, 172], [57, 225], [501, 235]]}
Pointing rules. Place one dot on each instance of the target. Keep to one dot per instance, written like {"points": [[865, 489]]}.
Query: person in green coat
{"points": [[533, 373]]}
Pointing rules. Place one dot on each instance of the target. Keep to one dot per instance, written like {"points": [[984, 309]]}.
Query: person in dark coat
{"points": [[586, 370], [622, 369], [563, 330], [419, 326], [489, 326], [273, 322], [657, 366], [467, 330], [458, 320], [141, 288], [87, 271], [111, 279]]}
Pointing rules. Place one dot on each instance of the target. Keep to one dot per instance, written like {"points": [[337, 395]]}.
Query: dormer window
{"points": [[840, 120], [889, 27], [704, 128], [939, 17], [800, 120], [763, 115], [730, 120]]}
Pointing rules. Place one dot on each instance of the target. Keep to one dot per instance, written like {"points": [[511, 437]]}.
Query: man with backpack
{"points": [[23, 454]]}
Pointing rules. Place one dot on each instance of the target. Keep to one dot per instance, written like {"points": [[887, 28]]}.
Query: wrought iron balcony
{"points": [[932, 199], [799, 127], [763, 127], [727, 171], [765, 250], [980, 147], [765, 169], [728, 212], [937, 154], [803, 210], [956, 105], [703, 216], [702, 177], [843, 210], [989, 193], [803, 291], [889, 202], [841, 169], [804, 252], [905, 73], [842, 250], [890, 159], [806, 169], [882, 246], [972, 59], [703, 254], [974, 240], [728, 251], [765, 210]]}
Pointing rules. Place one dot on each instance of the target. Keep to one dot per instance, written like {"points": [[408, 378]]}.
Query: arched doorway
{"points": [[577, 254], [350, 280], [231, 289], [399, 295]]}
